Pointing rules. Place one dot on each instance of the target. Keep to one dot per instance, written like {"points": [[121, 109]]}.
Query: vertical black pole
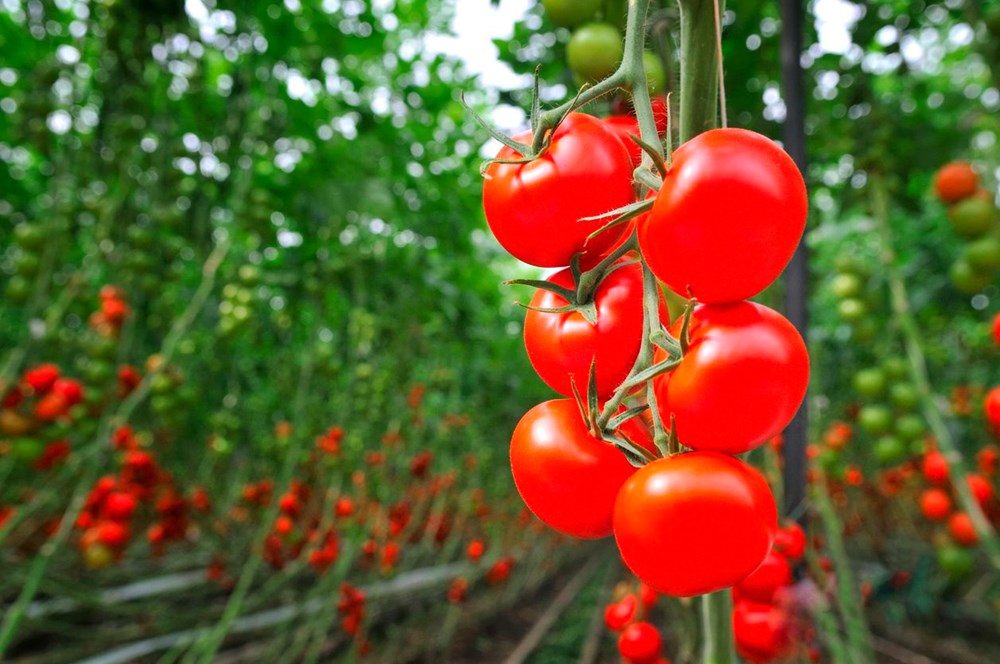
{"points": [[797, 274]]}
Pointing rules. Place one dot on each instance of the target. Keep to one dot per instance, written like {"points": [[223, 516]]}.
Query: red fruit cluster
{"points": [[108, 320], [937, 501]]}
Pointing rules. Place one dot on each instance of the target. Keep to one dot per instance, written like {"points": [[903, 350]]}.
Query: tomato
{"points": [[961, 529], [656, 77], [955, 561], [568, 478], [694, 523], [761, 632], [896, 368], [595, 50], [991, 408], [955, 181], [742, 379], [870, 382], [790, 541], [846, 284], [935, 468], [935, 504], [728, 216], [42, 377], [904, 396], [534, 209], [620, 613], [640, 643], [626, 125], [561, 346], [910, 427], [981, 489], [875, 419], [972, 217], [773, 574], [983, 255], [852, 309], [996, 329], [567, 13], [988, 459], [889, 449]]}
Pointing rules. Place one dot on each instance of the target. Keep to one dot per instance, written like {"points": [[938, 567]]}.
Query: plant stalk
{"points": [[699, 68]]}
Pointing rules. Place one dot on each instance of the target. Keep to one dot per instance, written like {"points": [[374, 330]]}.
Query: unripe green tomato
{"points": [[846, 284], [244, 296], [161, 404], [889, 449], [895, 367], [983, 255], [875, 419], [229, 291], [161, 383], [848, 264], [29, 236], [656, 77], [870, 382], [904, 396], [26, 449], [221, 446], [18, 289], [967, 280], [910, 427], [955, 561], [829, 460], [241, 314], [227, 326], [27, 263], [595, 50], [570, 13], [852, 309], [249, 275], [972, 217], [363, 371]]}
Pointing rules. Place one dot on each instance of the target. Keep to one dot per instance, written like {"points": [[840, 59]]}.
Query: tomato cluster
{"points": [[729, 375], [973, 214], [639, 642]]}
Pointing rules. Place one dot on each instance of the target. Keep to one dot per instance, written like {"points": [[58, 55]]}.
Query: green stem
{"points": [[717, 622], [920, 377], [699, 68]]}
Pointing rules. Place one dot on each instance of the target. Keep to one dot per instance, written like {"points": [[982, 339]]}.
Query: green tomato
{"points": [[570, 13], [18, 289], [972, 217], [889, 449], [870, 382], [955, 561], [852, 309], [904, 396], [895, 367], [27, 263], [26, 449], [595, 51], [848, 264], [29, 236], [656, 77], [910, 427], [875, 419], [965, 279], [983, 254], [846, 284]]}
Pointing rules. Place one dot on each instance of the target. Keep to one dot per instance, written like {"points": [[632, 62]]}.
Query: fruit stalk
{"points": [[717, 621], [919, 375]]}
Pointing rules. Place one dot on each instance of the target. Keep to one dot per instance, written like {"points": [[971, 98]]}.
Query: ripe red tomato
{"points": [[620, 613], [981, 489], [773, 574], [955, 181], [996, 329], [961, 529], [568, 478], [743, 377], [935, 504], [41, 377], [728, 217], [935, 468], [790, 541], [694, 523], [561, 345], [534, 209], [626, 126], [991, 408], [640, 643], [761, 632]]}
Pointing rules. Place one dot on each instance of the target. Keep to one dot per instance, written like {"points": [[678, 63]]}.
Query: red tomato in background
{"points": [[935, 468], [761, 631], [790, 541], [618, 614], [744, 375], [935, 504], [640, 643], [568, 478], [991, 408], [728, 217], [561, 345], [773, 574], [996, 329], [694, 523], [627, 125], [534, 209]]}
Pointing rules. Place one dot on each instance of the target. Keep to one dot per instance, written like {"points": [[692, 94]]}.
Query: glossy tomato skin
{"points": [[566, 477], [694, 523], [743, 377], [761, 632], [534, 209], [991, 408], [761, 585], [561, 345], [728, 217]]}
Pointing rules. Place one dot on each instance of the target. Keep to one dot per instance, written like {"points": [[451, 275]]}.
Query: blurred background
{"points": [[259, 373]]}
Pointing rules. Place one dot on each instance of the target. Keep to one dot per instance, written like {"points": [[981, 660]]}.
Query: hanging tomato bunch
{"points": [[972, 213], [644, 445]]}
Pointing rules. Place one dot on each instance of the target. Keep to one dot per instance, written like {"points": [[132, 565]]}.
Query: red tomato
{"points": [[70, 390], [962, 530], [640, 643], [534, 209], [620, 613], [770, 576], [50, 406], [988, 458], [728, 217], [935, 504], [568, 478], [711, 515], [955, 181], [790, 541], [561, 345], [991, 407], [996, 329], [744, 375], [41, 377], [981, 489], [935, 468], [626, 126], [761, 631]]}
